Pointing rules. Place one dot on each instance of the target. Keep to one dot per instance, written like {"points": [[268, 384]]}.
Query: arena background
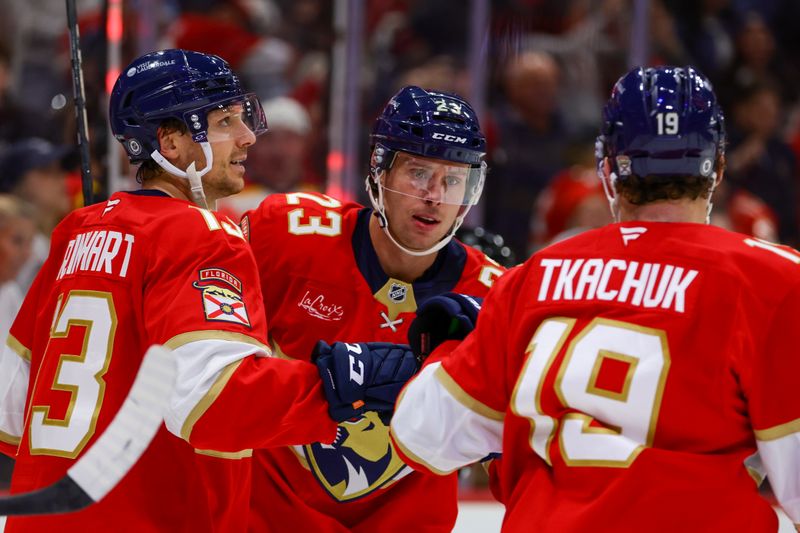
{"points": [[537, 71]]}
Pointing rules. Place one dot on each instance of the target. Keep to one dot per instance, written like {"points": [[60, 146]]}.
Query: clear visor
{"points": [[241, 117], [434, 180]]}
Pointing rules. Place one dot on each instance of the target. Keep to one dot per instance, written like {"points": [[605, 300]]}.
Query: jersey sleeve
{"points": [[264, 402], [452, 414], [203, 300], [15, 365], [15, 369], [775, 405]]}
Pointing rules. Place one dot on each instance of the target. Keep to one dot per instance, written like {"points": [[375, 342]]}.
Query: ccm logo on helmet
{"points": [[449, 138]]}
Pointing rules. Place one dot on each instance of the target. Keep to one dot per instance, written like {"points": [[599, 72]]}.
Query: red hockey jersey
{"points": [[146, 269], [322, 280], [638, 370]]}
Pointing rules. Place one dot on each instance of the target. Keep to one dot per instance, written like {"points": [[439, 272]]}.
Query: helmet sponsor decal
{"points": [[449, 138], [138, 69]]}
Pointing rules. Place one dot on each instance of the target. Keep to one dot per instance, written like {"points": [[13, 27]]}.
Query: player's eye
{"points": [[452, 181], [418, 173]]}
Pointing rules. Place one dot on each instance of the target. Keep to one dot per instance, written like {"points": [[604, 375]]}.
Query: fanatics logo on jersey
{"points": [[316, 306], [397, 293], [221, 304], [631, 234], [111, 204]]}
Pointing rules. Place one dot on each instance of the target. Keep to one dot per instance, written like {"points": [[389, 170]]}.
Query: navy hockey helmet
{"points": [[176, 84], [662, 121], [429, 124]]}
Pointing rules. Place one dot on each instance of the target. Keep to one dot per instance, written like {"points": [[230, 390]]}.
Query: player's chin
{"points": [[423, 242], [234, 182]]}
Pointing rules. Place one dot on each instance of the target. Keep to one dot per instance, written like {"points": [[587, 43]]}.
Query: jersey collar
{"points": [[442, 276]]}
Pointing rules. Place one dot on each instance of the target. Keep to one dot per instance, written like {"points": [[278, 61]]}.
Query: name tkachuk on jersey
{"points": [[645, 285], [325, 282], [612, 367]]}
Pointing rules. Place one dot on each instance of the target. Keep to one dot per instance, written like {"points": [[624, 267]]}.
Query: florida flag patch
{"points": [[221, 304]]}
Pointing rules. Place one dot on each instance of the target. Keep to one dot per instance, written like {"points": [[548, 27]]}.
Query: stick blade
{"points": [[114, 452], [129, 434]]}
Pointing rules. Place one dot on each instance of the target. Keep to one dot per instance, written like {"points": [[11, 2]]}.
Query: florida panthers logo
{"points": [[360, 461]]}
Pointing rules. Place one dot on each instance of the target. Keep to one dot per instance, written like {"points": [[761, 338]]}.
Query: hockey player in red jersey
{"points": [[645, 374], [157, 267], [338, 271]]}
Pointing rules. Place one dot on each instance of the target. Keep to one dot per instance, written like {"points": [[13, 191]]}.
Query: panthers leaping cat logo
{"points": [[360, 460]]}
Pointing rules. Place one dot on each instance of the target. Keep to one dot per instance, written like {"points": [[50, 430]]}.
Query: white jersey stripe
{"points": [[781, 459], [450, 434], [14, 375]]}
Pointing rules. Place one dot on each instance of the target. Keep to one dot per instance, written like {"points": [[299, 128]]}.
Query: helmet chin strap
{"points": [[710, 195], [380, 210], [608, 189], [191, 173]]}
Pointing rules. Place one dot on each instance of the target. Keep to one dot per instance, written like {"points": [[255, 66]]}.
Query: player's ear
{"points": [[168, 142]]}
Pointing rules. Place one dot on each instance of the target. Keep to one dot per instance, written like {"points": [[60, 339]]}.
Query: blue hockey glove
{"points": [[443, 317], [362, 377]]}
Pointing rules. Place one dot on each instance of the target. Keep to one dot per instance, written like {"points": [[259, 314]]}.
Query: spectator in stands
{"points": [[32, 170], [16, 120], [760, 161], [17, 228], [280, 163], [16, 233], [530, 145], [706, 28], [572, 202], [758, 61], [222, 27]]}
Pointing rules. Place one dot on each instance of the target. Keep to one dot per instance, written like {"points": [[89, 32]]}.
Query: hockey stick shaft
{"points": [[79, 93], [114, 452]]}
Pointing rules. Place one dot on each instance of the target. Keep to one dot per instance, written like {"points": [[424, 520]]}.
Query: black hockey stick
{"points": [[113, 454], [80, 103]]}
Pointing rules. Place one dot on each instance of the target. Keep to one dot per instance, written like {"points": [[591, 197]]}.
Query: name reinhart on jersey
{"points": [[648, 285], [97, 251]]}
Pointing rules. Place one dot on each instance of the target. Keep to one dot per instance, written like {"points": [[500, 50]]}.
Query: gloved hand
{"points": [[365, 376], [443, 317]]}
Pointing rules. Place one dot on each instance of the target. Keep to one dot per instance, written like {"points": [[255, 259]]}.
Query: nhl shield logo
{"points": [[397, 293]]}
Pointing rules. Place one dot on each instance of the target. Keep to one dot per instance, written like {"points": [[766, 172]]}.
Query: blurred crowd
{"points": [[550, 65]]}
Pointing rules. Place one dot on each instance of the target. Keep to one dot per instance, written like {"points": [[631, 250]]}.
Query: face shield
{"points": [[239, 118], [430, 180]]}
